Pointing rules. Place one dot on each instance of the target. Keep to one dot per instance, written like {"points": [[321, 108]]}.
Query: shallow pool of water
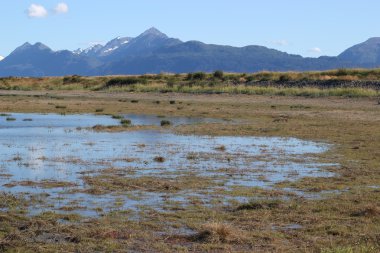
{"points": [[36, 147]]}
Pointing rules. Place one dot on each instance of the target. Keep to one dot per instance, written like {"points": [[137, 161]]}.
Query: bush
{"points": [[189, 76], [284, 78], [72, 79], [218, 74], [199, 76], [125, 81], [196, 76], [342, 72], [170, 83]]}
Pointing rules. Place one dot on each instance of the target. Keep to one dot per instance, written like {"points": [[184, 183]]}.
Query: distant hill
{"points": [[155, 52], [366, 54], [40, 60]]}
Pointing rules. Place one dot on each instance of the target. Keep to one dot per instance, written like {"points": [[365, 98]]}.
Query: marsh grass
{"points": [[350, 249], [46, 184], [165, 123], [337, 214], [255, 90], [221, 148], [126, 122], [217, 232], [117, 117], [108, 182], [159, 159], [262, 83], [260, 204]]}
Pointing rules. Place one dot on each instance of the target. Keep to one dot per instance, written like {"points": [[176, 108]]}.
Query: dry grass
{"points": [[348, 83], [216, 232]]}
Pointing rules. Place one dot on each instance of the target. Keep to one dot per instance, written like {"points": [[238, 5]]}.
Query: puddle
{"points": [[292, 226], [148, 120], [49, 147]]}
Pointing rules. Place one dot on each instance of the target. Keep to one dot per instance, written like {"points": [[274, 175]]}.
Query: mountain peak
{"points": [[24, 46], [153, 31], [41, 46], [28, 46]]}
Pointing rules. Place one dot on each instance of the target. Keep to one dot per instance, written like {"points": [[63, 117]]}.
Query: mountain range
{"points": [[155, 52]]}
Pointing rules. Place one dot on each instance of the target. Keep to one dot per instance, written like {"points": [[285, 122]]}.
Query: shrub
{"points": [[218, 74], [199, 76], [284, 78], [125, 81], [72, 79], [189, 76], [342, 72], [170, 83]]}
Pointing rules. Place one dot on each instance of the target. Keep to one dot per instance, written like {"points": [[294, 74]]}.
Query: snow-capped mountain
{"points": [[1, 58], [144, 44], [114, 45], [90, 51], [155, 52], [99, 50]]}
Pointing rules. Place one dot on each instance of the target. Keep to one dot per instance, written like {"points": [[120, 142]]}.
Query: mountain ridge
{"points": [[154, 52]]}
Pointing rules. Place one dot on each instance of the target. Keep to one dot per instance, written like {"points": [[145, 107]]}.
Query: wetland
{"points": [[235, 173]]}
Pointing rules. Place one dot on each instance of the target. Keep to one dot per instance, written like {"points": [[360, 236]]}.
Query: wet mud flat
{"points": [[59, 159], [267, 174]]}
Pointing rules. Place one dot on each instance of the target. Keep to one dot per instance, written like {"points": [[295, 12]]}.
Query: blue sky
{"points": [[305, 27]]}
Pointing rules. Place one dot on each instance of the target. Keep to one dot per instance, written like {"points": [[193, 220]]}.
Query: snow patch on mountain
{"points": [[1, 58], [113, 45], [110, 49], [103, 50]]}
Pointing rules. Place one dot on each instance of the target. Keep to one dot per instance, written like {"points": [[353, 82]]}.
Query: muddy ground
{"points": [[344, 215]]}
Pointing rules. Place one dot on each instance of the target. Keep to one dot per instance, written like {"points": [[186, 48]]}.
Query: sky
{"points": [[306, 27]]}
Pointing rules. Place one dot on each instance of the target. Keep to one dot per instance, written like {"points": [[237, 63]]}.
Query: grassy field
{"points": [[345, 83], [344, 218]]}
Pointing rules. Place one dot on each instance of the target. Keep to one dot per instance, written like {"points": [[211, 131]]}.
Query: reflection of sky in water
{"points": [[50, 147], [156, 120]]}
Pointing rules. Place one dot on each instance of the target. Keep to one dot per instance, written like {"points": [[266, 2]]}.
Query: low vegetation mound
{"points": [[341, 82]]}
